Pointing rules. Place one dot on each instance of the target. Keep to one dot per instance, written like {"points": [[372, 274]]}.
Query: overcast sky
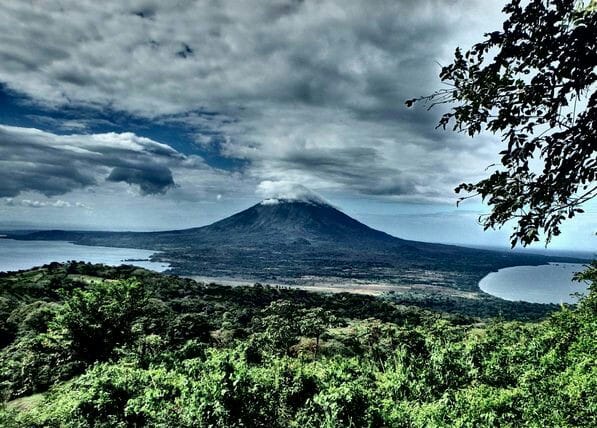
{"points": [[148, 115]]}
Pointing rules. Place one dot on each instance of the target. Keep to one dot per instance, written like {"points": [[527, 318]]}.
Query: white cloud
{"points": [[61, 204], [274, 191], [34, 203]]}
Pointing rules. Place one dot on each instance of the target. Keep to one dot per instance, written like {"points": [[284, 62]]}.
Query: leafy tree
{"points": [[281, 329], [314, 322], [190, 326], [538, 92], [33, 363], [99, 318], [6, 327], [34, 317]]}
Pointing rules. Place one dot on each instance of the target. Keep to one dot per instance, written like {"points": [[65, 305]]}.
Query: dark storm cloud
{"points": [[152, 180], [324, 78], [51, 180], [32, 160], [359, 169]]}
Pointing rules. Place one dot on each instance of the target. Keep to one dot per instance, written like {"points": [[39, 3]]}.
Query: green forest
{"points": [[90, 345]]}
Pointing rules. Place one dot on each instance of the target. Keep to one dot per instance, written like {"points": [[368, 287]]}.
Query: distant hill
{"points": [[290, 240]]}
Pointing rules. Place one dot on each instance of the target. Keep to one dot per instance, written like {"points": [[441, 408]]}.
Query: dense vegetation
{"points": [[88, 345]]}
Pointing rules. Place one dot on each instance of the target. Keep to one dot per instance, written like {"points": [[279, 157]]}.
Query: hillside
{"points": [[90, 345], [298, 241]]}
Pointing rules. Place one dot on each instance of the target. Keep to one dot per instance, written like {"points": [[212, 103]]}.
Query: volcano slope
{"points": [[290, 241]]}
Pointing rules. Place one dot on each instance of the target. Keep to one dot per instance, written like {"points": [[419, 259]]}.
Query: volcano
{"points": [[298, 239], [283, 222]]}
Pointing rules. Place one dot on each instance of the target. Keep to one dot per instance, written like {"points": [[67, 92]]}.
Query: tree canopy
{"points": [[534, 84]]}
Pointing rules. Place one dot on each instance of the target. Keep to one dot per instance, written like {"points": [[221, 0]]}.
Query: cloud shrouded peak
{"points": [[274, 192]]}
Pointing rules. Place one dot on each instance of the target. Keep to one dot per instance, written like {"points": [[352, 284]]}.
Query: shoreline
{"points": [[371, 288]]}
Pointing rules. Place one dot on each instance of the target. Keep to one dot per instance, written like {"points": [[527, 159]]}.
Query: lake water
{"points": [[550, 283], [539, 284], [17, 255]]}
